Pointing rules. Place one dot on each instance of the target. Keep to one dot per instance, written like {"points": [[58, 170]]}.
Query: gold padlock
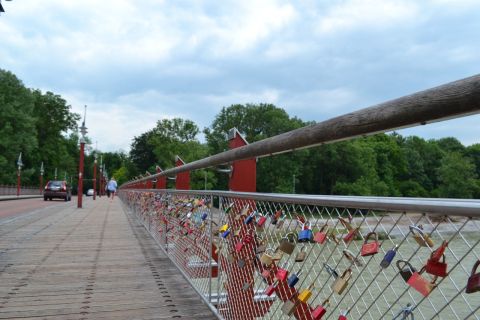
{"points": [[420, 237], [341, 283], [266, 258], [223, 228], [287, 243], [306, 294], [289, 306], [301, 255], [277, 255]]}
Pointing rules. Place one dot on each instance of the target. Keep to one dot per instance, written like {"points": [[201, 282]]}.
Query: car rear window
{"points": [[55, 184]]}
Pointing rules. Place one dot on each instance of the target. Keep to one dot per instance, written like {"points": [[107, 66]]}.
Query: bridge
{"points": [[239, 254]]}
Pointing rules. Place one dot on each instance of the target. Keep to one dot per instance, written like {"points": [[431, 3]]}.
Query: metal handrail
{"points": [[434, 206], [451, 100]]}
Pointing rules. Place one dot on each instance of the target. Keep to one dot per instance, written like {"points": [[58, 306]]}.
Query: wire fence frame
{"points": [[186, 226]]}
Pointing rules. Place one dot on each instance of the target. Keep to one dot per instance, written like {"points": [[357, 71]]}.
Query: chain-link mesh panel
{"points": [[252, 258]]}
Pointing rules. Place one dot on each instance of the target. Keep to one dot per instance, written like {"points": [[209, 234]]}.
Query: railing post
{"points": [[243, 176], [183, 179], [161, 181]]}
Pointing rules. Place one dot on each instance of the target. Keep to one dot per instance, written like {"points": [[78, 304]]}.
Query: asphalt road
{"points": [[12, 208]]}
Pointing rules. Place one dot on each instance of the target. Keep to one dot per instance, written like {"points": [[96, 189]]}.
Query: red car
{"points": [[57, 189]]}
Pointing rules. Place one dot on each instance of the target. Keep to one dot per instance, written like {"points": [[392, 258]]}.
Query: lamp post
{"points": [[100, 193], [19, 170], [94, 176], [55, 174], [42, 171], [83, 131]]}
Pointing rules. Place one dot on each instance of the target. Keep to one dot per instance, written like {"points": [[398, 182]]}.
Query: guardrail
{"points": [[242, 251], [11, 190]]}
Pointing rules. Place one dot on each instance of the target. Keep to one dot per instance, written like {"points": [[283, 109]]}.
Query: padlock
{"points": [[330, 271], [261, 220], [287, 243], [473, 283], [305, 294], [420, 237], [293, 279], [223, 228], [236, 232], [280, 222], [332, 236], [244, 212], [343, 315], [230, 257], [351, 257], [341, 283], [421, 284], [266, 273], [241, 263], [261, 246], [346, 224], [271, 289], [320, 310], [204, 216], [370, 248], [289, 307], [439, 252], [305, 235], [229, 207], [407, 270], [250, 218], [350, 235], [226, 233], [239, 245], [300, 219], [277, 255], [321, 235], [248, 238], [282, 272], [267, 258], [276, 216], [301, 255], [436, 268], [388, 258]]}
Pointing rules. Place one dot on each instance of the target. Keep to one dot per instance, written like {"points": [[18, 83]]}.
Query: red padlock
{"points": [[321, 235], [436, 268], [473, 284], [371, 248], [239, 246], [282, 273], [271, 289], [320, 310], [421, 284], [439, 252], [266, 273], [261, 221]]}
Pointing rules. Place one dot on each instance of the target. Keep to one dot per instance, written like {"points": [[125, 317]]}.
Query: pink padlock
{"points": [[320, 310]]}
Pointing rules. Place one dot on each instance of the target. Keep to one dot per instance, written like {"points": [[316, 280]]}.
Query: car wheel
{"points": [[66, 199], [44, 198], [50, 198]]}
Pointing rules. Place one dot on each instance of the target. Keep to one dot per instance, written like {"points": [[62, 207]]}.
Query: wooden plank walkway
{"points": [[92, 263]]}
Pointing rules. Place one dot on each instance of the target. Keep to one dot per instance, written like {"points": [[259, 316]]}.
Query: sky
{"points": [[136, 62]]}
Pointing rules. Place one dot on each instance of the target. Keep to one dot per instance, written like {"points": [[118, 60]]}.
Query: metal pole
{"points": [[19, 170], [80, 175], [95, 178]]}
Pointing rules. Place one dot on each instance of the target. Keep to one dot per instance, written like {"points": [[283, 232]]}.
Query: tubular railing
{"points": [[11, 190], [234, 275]]}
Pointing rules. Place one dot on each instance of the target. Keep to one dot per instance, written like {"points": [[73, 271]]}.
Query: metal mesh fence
{"points": [[251, 257]]}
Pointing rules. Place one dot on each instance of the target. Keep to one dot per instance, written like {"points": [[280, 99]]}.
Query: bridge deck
{"points": [[92, 263]]}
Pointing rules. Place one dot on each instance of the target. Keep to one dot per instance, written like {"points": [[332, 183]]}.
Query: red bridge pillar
{"points": [[182, 181], [161, 181], [244, 172]]}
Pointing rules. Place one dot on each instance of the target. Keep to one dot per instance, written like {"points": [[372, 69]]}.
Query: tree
{"points": [[457, 176], [17, 127]]}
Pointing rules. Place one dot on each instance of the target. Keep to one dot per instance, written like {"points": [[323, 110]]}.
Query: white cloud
{"points": [[367, 14]]}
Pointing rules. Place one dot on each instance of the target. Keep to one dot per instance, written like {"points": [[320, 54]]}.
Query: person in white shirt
{"points": [[112, 187]]}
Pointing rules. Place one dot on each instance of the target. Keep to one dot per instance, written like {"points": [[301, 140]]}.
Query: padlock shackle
{"points": [[326, 303], [369, 235], [345, 223], [405, 263], [290, 237], [349, 255], [414, 228], [323, 227], [343, 276], [330, 270]]}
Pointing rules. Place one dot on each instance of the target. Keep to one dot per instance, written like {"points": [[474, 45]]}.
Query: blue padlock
{"points": [[226, 233], [306, 234], [249, 218], [389, 257], [293, 279], [204, 216]]}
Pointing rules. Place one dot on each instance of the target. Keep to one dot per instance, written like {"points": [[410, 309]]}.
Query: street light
{"points": [[94, 176], [100, 191], [19, 166], [83, 131], [55, 175], [42, 171]]}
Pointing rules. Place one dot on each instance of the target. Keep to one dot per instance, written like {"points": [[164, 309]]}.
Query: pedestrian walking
{"points": [[112, 187]]}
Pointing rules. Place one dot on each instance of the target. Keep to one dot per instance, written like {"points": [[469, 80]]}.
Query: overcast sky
{"points": [[135, 62]]}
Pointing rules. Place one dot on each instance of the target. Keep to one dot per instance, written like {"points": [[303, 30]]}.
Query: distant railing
{"points": [[346, 246], [11, 190]]}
